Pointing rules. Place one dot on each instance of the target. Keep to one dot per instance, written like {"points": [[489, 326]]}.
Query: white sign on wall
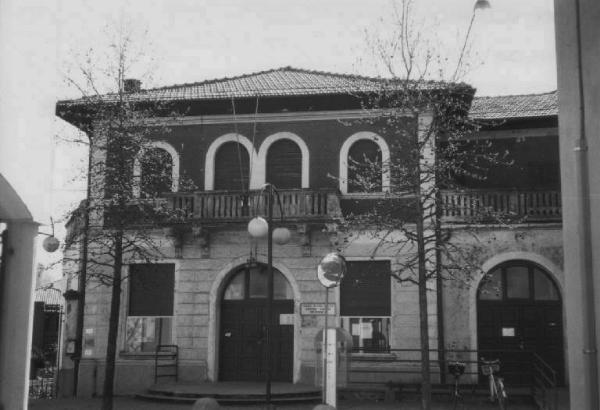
{"points": [[316, 309]]}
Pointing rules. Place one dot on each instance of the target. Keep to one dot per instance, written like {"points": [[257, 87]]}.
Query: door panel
{"points": [[243, 341], [537, 328]]}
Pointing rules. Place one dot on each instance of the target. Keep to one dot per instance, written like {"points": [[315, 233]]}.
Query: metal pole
{"points": [[324, 350], [590, 352], [269, 293]]}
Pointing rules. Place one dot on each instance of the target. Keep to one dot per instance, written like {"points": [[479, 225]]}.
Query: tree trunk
{"points": [[113, 325], [423, 318]]}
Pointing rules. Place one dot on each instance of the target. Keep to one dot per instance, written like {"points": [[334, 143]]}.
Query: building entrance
{"points": [[242, 347], [519, 310]]}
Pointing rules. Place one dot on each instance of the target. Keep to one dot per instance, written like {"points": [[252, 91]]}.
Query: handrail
{"points": [[402, 367], [544, 384], [166, 356]]}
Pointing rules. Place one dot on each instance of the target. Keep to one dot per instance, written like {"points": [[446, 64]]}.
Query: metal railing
{"points": [[400, 369], [166, 362], [490, 205], [544, 385]]}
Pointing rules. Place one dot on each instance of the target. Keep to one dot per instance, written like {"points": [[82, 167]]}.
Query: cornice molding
{"points": [[340, 115]]}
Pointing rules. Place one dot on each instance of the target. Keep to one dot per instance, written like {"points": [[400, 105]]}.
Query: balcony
{"points": [[489, 206], [299, 205]]}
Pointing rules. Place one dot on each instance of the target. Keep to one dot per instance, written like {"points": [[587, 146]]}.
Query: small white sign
{"points": [[508, 332], [316, 309], [88, 352]]}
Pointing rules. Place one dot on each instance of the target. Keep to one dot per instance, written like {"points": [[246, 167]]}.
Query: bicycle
{"points": [[497, 390], [456, 369]]}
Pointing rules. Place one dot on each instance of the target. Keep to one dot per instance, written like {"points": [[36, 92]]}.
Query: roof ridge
{"points": [[517, 95], [282, 69]]}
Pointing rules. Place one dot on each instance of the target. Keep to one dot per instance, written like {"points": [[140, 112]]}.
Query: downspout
{"points": [[590, 353], [83, 274]]}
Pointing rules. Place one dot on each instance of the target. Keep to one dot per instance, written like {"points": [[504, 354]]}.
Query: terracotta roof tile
{"points": [[285, 81], [515, 106]]}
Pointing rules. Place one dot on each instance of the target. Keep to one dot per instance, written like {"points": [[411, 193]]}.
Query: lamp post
{"points": [[257, 229], [479, 5]]}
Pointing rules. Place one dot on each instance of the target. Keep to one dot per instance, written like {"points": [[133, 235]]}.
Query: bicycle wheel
{"points": [[500, 393]]}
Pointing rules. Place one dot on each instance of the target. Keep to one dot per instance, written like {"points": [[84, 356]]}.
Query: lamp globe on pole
{"points": [[258, 227], [281, 236]]}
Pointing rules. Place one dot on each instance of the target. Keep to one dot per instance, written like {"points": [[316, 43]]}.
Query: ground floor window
{"points": [[369, 334], [150, 309], [145, 333], [365, 304]]}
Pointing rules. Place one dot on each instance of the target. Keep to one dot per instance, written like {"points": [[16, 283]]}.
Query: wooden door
{"points": [[509, 328], [243, 341]]}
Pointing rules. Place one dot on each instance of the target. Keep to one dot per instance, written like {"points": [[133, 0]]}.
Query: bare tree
{"points": [[426, 117], [126, 175]]}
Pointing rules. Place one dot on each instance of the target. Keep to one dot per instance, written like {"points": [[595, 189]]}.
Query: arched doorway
{"points": [[242, 346], [519, 309]]}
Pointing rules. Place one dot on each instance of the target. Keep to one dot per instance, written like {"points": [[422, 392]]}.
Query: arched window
{"points": [[364, 167], [284, 164], [250, 282], [155, 170], [364, 164], [518, 280], [232, 167]]}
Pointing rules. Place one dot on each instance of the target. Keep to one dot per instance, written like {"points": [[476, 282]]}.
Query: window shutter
{"points": [[365, 289], [151, 289], [227, 167], [284, 164]]}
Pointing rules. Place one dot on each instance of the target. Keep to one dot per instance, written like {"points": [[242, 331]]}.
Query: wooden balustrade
{"points": [[498, 205], [297, 204]]}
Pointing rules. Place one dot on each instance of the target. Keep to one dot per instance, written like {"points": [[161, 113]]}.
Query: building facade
{"points": [[301, 131]]}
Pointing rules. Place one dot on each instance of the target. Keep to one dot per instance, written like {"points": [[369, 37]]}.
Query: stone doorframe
{"points": [[214, 310]]}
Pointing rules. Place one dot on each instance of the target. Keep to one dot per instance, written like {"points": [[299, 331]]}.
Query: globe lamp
{"points": [[50, 244], [281, 236], [258, 227]]}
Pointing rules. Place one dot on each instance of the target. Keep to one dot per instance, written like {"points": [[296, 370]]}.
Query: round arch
{"points": [[209, 163], [137, 167], [511, 307], [264, 149], [216, 290], [385, 159]]}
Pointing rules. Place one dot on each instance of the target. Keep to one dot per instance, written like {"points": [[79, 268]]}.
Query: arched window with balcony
{"points": [[232, 167], [283, 160], [284, 164], [364, 164], [156, 170]]}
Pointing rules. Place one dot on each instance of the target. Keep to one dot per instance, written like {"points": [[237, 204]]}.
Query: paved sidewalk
{"points": [[128, 403]]}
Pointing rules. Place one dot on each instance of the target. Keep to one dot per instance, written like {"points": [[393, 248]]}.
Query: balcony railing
{"points": [[238, 206], [497, 205]]}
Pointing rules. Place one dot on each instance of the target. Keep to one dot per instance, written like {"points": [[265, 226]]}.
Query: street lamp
{"points": [[479, 5], [258, 227]]}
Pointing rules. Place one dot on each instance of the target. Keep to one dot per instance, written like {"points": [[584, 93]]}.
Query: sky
{"points": [[511, 51]]}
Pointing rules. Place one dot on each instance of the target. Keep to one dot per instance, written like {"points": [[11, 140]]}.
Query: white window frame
{"points": [[264, 150], [137, 166], [209, 163], [385, 162]]}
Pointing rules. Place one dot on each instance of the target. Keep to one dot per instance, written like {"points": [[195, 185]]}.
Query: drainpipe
{"points": [[590, 353]]}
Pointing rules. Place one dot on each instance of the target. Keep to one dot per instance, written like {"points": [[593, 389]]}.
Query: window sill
{"points": [[142, 355], [373, 357]]}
